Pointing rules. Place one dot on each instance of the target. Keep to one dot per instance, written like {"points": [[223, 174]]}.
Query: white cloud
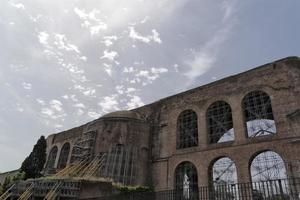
{"points": [[62, 43], [200, 64], [41, 102], [110, 55], [146, 39], [43, 37], [159, 70], [108, 40], [18, 5], [129, 70], [108, 68], [205, 58], [134, 102], [80, 112], [27, 86], [155, 36], [47, 111], [109, 103], [97, 28], [79, 105], [91, 20], [151, 75], [93, 114], [89, 92], [56, 105], [54, 111]]}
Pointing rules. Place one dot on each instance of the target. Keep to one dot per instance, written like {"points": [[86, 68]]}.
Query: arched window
{"points": [[223, 179], [121, 164], [187, 129], [220, 125], [186, 181], [64, 155], [224, 172], [267, 166], [52, 158], [269, 177], [258, 114]]}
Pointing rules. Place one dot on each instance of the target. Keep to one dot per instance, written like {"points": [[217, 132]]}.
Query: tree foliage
{"points": [[133, 189], [34, 163], [9, 181]]}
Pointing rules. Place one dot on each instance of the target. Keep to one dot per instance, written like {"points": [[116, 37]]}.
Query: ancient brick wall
{"points": [[280, 81]]}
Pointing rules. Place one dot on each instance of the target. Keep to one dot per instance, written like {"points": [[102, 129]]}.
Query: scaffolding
{"points": [[7, 194], [120, 165], [220, 124], [258, 114], [187, 125], [27, 193], [53, 193]]}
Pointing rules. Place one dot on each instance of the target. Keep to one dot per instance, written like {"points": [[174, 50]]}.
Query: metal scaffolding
{"points": [[120, 165], [258, 114], [267, 166], [224, 171], [220, 124], [27, 193], [187, 129], [8, 193]]}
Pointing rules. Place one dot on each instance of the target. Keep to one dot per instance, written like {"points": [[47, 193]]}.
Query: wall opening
{"points": [[258, 114], [52, 158], [223, 179], [267, 166], [186, 181], [64, 155], [187, 129], [219, 123]]}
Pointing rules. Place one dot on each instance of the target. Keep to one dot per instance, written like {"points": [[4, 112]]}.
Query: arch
{"points": [[223, 179], [186, 180], [219, 122], [267, 165], [52, 158], [223, 171], [258, 114], [64, 155], [187, 129]]}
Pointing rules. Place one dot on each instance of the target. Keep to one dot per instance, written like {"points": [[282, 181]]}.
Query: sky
{"points": [[66, 62]]}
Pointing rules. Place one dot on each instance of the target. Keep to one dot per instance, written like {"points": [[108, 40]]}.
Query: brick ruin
{"points": [[243, 128]]}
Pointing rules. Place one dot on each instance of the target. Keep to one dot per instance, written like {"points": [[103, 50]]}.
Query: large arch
{"points": [[186, 180], [258, 114], [52, 157], [219, 122], [267, 166], [64, 155], [187, 129], [223, 171], [223, 179], [269, 177]]}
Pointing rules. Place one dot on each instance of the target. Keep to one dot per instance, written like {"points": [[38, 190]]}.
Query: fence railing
{"points": [[284, 189]]}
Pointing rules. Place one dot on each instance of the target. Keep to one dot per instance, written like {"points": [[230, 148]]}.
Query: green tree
{"points": [[7, 183], [1, 189], [34, 163]]}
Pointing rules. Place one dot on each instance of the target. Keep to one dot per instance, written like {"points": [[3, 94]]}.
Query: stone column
{"points": [[240, 132]]}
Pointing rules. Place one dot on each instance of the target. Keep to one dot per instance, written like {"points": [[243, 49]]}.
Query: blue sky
{"points": [[66, 62]]}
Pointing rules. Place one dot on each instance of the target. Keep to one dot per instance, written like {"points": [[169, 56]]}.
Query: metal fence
{"points": [[284, 189]]}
